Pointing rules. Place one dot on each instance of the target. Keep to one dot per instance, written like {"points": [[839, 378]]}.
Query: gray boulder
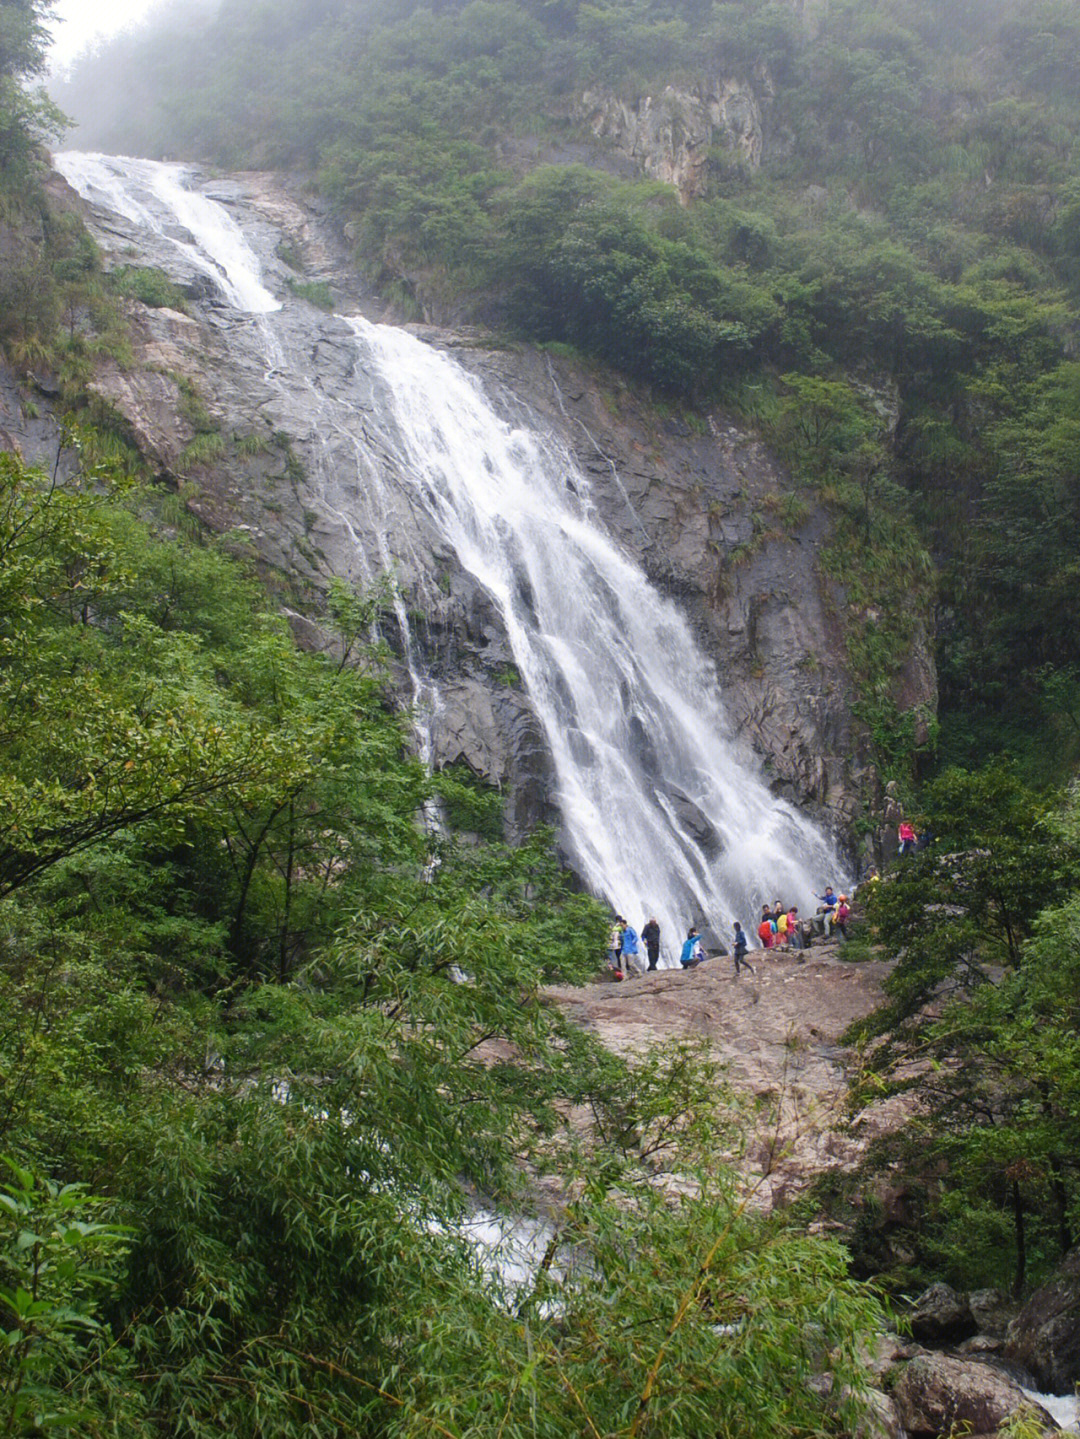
{"points": [[941, 1316], [880, 1418], [1045, 1336], [991, 1311], [936, 1394]]}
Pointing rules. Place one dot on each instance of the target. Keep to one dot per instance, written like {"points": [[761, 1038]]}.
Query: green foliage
{"points": [[315, 292], [980, 1024], [56, 1265], [147, 285], [470, 805], [286, 1029]]}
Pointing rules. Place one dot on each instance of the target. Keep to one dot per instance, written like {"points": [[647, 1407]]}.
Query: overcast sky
{"points": [[77, 23]]}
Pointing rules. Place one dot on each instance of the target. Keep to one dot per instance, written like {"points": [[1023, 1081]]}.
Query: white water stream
{"points": [[1063, 1408], [663, 810]]}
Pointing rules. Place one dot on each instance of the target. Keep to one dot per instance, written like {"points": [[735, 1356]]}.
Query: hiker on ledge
{"points": [[630, 951], [741, 947], [651, 935], [691, 951]]}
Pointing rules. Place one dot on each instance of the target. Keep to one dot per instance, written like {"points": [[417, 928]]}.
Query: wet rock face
{"points": [[702, 512], [301, 477], [1045, 1336], [937, 1395]]}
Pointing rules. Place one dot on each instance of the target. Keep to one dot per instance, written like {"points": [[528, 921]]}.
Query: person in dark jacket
{"points": [[650, 933], [741, 947]]}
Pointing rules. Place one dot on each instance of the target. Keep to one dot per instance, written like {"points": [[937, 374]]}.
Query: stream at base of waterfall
{"points": [[629, 706]]}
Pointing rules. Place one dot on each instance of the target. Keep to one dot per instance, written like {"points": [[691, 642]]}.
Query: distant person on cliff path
{"points": [[740, 949], [908, 838], [651, 935]]}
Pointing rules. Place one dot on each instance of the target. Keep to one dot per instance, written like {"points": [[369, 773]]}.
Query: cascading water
{"points": [[664, 812], [154, 197]]}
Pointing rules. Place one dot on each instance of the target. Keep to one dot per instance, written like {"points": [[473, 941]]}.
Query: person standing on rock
{"points": [[630, 951], [740, 949], [650, 933], [843, 909], [779, 919], [905, 833], [766, 931], [615, 943], [794, 928]]}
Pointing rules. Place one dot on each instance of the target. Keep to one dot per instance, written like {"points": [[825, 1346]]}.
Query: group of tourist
{"points": [[780, 929], [625, 946]]}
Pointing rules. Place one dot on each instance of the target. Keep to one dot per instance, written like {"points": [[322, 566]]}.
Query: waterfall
{"points": [[664, 811]]}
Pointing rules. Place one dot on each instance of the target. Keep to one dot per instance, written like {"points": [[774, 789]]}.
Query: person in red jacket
{"points": [[766, 932], [843, 909]]}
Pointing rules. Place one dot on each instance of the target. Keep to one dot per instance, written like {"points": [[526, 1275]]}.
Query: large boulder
{"points": [[941, 1316], [936, 1394], [880, 1418], [1045, 1336], [991, 1311]]}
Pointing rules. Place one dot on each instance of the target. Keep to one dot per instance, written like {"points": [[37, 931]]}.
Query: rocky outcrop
{"points": [[941, 1316], [991, 1311], [881, 1420], [673, 137], [1045, 1336], [937, 1395], [778, 1031]]}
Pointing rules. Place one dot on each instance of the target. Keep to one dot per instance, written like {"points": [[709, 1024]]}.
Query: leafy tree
{"points": [[976, 1029], [56, 1265], [289, 1034]]}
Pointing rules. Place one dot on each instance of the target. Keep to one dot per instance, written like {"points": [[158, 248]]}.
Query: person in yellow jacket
{"points": [[781, 920]]}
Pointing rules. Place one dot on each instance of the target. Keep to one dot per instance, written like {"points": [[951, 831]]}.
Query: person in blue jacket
{"points": [[691, 950], [630, 950]]}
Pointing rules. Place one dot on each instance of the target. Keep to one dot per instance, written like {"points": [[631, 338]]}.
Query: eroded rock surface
{"points": [[778, 1030], [936, 1395], [1045, 1336], [670, 135], [941, 1316]]}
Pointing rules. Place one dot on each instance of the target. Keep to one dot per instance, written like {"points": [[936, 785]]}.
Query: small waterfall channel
{"points": [[663, 811]]}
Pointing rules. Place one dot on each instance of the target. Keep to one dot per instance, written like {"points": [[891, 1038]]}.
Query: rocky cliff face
{"points": [[674, 136], [699, 507]]}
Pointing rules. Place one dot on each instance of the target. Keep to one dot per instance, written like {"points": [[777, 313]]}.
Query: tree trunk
{"points": [[1021, 1240]]}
